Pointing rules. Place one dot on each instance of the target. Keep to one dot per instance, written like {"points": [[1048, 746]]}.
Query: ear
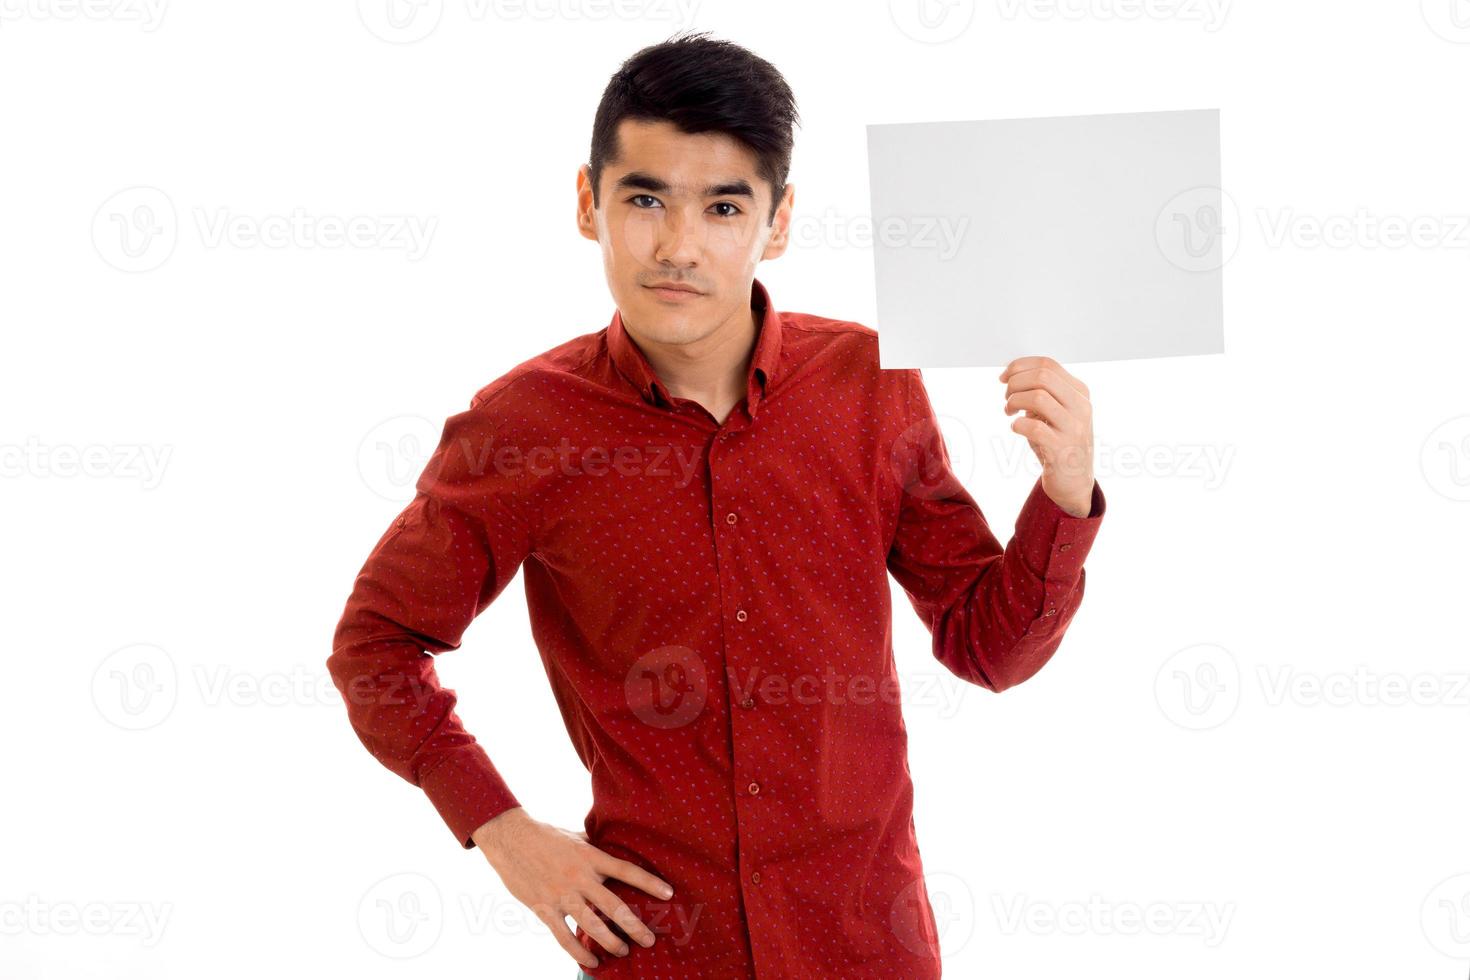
{"points": [[781, 224], [586, 213]]}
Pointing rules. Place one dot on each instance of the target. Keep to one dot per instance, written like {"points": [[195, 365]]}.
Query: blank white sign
{"points": [[1087, 238]]}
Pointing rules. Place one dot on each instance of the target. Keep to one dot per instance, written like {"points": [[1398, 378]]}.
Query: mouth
{"points": [[677, 294]]}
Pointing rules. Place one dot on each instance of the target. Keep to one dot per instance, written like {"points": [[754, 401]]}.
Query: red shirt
{"points": [[712, 607]]}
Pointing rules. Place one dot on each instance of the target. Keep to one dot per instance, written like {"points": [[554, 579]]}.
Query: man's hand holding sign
{"points": [[1058, 425]]}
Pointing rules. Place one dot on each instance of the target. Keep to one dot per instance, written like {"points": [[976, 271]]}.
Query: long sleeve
{"points": [[440, 563], [996, 614]]}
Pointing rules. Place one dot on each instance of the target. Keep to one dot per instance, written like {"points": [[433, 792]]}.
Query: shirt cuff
{"points": [[467, 790], [1055, 543]]}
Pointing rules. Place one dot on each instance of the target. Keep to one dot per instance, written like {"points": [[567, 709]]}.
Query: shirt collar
{"points": [[633, 364]]}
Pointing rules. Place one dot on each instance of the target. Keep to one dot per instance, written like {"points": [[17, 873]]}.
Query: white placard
{"points": [[1087, 238]]}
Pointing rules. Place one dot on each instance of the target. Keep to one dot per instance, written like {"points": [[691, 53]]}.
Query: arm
{"points": [[441, 562], [996, 614], [445, 558]]}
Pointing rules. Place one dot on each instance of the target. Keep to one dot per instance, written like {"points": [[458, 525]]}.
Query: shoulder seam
{"points": [[525, 368]]}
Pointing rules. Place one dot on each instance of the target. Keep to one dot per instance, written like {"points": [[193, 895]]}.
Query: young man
{"points": [[707, 498]]}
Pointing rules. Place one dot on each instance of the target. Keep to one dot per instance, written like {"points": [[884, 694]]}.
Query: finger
{"points": [[617, 910], [1066, 376], [627, 871], [568, 942], [1039, 402], [1064, 393], [1036, 431], [1035, 363], [1027, 363], [1031, 363], [598, 929], [1045, 378]]}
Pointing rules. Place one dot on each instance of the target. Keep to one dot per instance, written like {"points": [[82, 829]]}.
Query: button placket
{"points": [[729, 582]]}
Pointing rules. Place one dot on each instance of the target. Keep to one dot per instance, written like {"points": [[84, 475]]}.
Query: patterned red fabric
{"points": [[712, 606]]}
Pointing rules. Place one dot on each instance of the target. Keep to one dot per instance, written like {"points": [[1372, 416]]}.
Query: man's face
{"points": [[681, 208]]}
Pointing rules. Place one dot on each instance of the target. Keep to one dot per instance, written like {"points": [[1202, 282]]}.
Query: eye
{"points": [[641, 197], [727, 204]]}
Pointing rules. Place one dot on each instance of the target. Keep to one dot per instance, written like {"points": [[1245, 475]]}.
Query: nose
{"points": [[681, 238]]}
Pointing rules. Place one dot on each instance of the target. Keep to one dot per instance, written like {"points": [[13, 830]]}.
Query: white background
{"points": [[1221, 746]]}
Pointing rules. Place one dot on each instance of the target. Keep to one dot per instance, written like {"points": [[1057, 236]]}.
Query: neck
{"points": [[713, 370]]}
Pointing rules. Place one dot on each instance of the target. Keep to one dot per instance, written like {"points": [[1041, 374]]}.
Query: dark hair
{"points": [[701, 84]]}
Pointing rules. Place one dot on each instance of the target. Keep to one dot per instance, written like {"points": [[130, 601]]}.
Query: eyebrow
{"points": [[648, 182]]}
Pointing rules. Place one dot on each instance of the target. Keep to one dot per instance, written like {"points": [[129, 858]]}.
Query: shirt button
{"points": [[754, 788], [755, 877], [1050, 612], [1065, 547], [730, 517], [740, 615], [748, 703]]}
